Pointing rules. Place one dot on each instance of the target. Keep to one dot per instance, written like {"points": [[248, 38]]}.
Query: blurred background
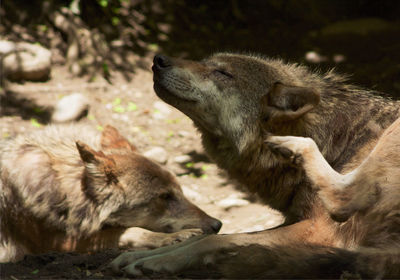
{"points": [[359, 37]]}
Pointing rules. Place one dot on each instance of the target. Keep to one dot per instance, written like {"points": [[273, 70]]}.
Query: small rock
{"points": [[70, 108], [191, 194], [339, 58], [6, 47], [183, 133], [24, 61], [125, 118], [182, 159], [232, 201], [314, 57], [76, 69], [158, 154]]}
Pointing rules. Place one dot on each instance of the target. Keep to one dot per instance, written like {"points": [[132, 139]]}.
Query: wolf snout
{"points": [[161, 62], [212, 226]]}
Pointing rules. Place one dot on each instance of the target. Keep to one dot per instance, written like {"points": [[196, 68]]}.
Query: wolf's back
{"points": [[56, 140]]}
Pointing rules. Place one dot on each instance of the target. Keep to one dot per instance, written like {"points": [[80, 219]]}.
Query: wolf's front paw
{"points": [[165, 259], [154, 262], [291, 147], [141, 238], [125, 259]]}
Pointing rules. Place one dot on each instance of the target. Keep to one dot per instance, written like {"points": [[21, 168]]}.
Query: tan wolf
{"points": [[72, 188], [238, 102]]}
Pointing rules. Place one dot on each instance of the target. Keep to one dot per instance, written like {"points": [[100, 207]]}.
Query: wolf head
{"points": [[234, 96], [136, 191]]}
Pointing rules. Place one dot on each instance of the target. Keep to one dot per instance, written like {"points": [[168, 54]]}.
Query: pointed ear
{"points": [[88, 155], [286, 103], [97, 164], [111, 139], [99, 173]]}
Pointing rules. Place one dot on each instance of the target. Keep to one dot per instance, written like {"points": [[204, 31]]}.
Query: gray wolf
{"points": [[72, 188], [238, 102]]}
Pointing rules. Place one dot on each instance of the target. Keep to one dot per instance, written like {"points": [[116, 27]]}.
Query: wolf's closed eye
{"points": [[222, 74]]}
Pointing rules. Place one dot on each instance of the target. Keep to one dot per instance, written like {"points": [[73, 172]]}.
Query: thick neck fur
{"points": [[346, 119], [278, 185]]}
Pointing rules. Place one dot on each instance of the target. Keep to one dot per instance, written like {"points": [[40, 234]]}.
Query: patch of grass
{"points": [[35, 123]]}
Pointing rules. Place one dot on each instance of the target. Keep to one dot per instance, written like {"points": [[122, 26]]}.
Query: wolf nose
{"points": [[161, 61], [213, 226], [216, 226]]}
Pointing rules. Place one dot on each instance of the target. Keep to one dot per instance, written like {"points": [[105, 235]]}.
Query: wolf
{"points": [[72, 188], [238, 102]]}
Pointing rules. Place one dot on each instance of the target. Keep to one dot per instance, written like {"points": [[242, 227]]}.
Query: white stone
{"points": [[158, 154], [6, 46], [191, 194], [232, 201], [70, 108], [182, 159], [183, 133], [25, 61], [339, 58], [314, 57]]}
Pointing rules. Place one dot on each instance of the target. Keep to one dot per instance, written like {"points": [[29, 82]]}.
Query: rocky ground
{"points": [[158, 130]]}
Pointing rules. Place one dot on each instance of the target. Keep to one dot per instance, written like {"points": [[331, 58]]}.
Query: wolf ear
{"points": [[286, 103], [111, 139], [97, 165]]}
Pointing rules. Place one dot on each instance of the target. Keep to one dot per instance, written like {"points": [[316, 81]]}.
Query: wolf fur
{"points": [[237, 102], [368, 194], [72, 188]]}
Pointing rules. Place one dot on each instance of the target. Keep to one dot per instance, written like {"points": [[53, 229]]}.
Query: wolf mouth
{"points": [[166, 94]]}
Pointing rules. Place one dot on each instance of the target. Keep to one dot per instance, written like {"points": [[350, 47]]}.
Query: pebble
{"points": [[314, 57], [183, 133], [125, 118], [70, 108], [6, 46], [24, 61], [338, 58], [232, 201], [158, 154], [192, 195], [182, 159]]}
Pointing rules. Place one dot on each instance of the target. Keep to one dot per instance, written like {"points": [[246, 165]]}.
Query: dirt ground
{"points": [[134, 109]]}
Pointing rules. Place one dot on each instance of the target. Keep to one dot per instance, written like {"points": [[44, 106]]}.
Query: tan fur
{"points": [[359, 190], [239, 101], [71, 188]]}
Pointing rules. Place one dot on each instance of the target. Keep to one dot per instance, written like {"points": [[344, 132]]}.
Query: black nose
{"points": [[216, 225], [211, 225], [161, 61]]}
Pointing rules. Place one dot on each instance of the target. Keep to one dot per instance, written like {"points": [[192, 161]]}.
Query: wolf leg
{"points": [[204, 251], [135, 237], [342, 195]]}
